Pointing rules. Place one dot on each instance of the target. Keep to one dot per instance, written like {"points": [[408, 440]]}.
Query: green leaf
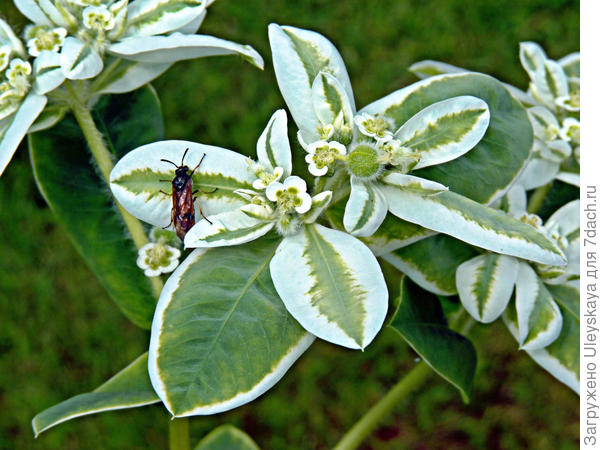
{"points": [[561, 358], [420, 321], [485, 284], [332, 284], [127, 389], [432, 262], [469, 221], [80, 201], [221, 335], [486, 171], [226, 437]]}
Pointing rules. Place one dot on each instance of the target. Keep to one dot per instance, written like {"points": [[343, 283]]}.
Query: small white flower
{"points": [[290, 195], [325, 131], [570, 130], [394, 153], [322, 155], [18, 74], [569, 102], [44, 39], [98, 18], [156, 258], [374, 126], [265, 178]]}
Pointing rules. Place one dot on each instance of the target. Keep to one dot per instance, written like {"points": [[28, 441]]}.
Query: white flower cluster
{"points": [[15, 72]]}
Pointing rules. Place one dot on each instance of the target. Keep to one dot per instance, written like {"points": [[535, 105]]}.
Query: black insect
{"points": [[182, 213]]}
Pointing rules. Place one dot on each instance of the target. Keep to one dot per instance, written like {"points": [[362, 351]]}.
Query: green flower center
{"points": [[377, 126], [324, 156], [288, 199], [158, 256], [363, 161]]}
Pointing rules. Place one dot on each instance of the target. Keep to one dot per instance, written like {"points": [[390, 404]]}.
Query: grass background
{"points": [[60, 334]]}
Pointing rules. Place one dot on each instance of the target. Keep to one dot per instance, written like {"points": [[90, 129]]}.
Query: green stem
{"points": [[103, 158], [537, 198], [361, 429], [179, 434]]}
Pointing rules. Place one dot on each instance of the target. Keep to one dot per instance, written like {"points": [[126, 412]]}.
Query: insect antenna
{"points": [[198, 165], [171, 162], [184, 153]]}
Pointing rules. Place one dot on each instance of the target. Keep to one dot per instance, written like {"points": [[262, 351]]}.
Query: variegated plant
{"points": [[77, 50]]}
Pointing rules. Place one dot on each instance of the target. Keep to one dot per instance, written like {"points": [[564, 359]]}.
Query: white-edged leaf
{"points": [[429, 68], [570, 64], [273, 145], [544, 123], [412, 183], [469, 221], [516, 200], [49, 117], [78, 60], [538, 172], [136, 179], [150, 17], [332, 284], [42, 12], [524, 97], [445, 130], [126, 76], [561, 358], [564, 220], [193, 26], [227, 228], [532, 57], [366, 208], [569, 178], [330, 99], [538, 315], [48, 72], [550, 83], [127, 389], [178, 47], [298, 57], [485, 285], [226, 437], [221, 336], [25, 116], [320, 202]]}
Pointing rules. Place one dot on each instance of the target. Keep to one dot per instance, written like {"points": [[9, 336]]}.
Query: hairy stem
{"points": [[537, 198], [179, 434], [103, 158]]}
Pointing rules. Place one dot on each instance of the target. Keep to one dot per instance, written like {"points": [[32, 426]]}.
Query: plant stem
{"points": [[179, 434], [103, 158], [537, 198], [361, 429]]}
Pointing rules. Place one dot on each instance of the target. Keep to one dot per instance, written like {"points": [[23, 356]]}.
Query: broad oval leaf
{"points": [[122, 75], [532, 57], [365, 210], [469, 221], [78, 197], [432, 262], [538, 315], [420, 321], [273, 145], [179, 47], [221, 335], [332, 284], [298, 57], [485, 285], [127, 389], [149, 17], [486, 171], [445, 130], [226, 437], [136, 179], [561, 358]]}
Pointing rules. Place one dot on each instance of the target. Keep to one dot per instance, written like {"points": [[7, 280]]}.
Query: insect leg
{"points": [[202, 214], [166, 193]]}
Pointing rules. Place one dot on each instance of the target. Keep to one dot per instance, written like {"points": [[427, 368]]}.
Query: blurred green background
{"points": [[61, 335]]}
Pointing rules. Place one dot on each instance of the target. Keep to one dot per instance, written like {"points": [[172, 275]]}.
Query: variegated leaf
{"points": [[485, 285], [570, 64], [538, 315], [179, 47], [48, 72], [366, 209], [42, 12], [227, 228], [123, 75], [320, 202], [136, 179], [561, 358], [298, 57], [410, 183], [469, 221], [549, 83], [445, 130], [78, 60], [20, 122], [544, 123], [485, 172], [532, 57], [49, 117], [273, 146], [127, 389], [432, 262], [429, 68], [538, 172], [330, 99], [569, 178], [332, 284], [150, 17], [221, 336]]}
